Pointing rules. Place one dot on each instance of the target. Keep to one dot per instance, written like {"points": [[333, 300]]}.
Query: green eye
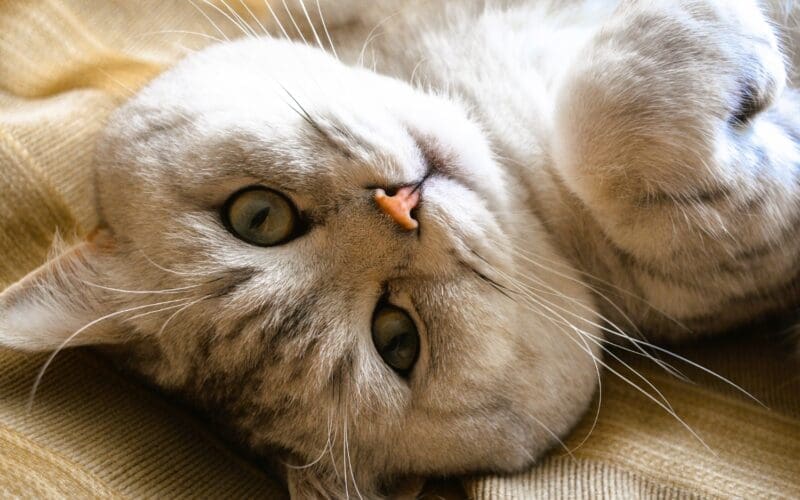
{"points": [[260, 216], [395, 337]]}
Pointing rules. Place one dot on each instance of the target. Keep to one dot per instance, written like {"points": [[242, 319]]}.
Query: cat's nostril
{"points": [[399, 205]]}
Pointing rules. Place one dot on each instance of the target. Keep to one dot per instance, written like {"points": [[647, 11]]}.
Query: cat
{"points": [[387, 260]]}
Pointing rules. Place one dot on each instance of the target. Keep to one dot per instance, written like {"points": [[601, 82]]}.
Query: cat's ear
{"points": [[45, 309]]}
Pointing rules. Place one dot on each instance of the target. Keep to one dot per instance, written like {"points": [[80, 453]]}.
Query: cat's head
{"points": [[246, 264]]}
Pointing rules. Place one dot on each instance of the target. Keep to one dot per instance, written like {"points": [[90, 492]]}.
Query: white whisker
{"points": [[156, 311], [416, 67], [255, 18], [349, 461], [662, 404], [614, 330], [327, 33], [541, 301], [277, 21], [332, 430], [344, 459], [173, 315], [599, 399], [242, 21], [243, 29], [360, 60], [213, 24], [667, 367], [72, 337], [294, 23], [311, 25], [180, 32], [142, 292], [170, 271]]}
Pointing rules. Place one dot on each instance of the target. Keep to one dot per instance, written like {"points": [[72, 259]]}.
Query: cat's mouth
{"points": [[440, 160]]}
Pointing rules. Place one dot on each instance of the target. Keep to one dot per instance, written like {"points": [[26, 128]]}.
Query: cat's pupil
{"points": [[259, 218], [400, 348], [396, 338]]}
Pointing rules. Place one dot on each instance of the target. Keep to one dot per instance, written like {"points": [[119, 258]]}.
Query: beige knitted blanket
{"points": [[64, 64]]}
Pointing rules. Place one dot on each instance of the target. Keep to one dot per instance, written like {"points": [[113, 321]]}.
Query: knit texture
{"points": [[90, 432]]}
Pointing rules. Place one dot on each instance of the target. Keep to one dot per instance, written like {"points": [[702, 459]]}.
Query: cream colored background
{"points": [[64, 64]]}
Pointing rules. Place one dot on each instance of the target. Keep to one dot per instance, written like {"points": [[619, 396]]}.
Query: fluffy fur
{"points": [[583, 162]]}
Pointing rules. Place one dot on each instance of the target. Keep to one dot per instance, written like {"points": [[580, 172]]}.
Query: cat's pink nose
{"points": [[399, 205]]}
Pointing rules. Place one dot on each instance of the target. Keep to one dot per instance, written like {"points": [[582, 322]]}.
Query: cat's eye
{"points": [[395, 337], [260, 216]]}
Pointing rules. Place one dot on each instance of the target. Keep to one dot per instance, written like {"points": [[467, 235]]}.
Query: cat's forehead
{"points": [[223, 115], [250, 82]]}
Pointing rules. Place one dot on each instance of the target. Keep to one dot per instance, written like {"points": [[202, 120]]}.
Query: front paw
{"points": [[742, 55], [720, 55], [658, 91]]}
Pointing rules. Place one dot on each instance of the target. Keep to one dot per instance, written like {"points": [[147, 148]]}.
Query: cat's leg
{"points": [[675, 130]]}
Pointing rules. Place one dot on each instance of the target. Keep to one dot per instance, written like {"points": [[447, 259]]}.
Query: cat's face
{"points": [[279, 340]]}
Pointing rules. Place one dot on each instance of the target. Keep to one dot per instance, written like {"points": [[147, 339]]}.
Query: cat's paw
{"points": [[729, 46], [658, 91]]}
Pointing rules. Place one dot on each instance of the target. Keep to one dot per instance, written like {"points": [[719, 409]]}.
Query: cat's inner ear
{"points": [[59, 303]]}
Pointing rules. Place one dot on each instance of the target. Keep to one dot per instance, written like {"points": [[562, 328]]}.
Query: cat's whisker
{"points": [[332, 433], [156, 311], [596, 361], [613, 330], [369, 38], [345, 459], [277, 20], [312, 463], [552, 291], [264, 30], [176, 313], [669, 368], [303, 112], [662, 404], [708, 371], [542, 302], [587, 274], [518, 252], [350, 462], [171, 271], [527, 253], [555, 436], [666, 408], [665, 405], [294, 22], [211, 21], [311, 25], [327, 32], [637, 342], [240, 21], [599, 341], [596, 418], [414, 71], [143, 292], [117, 81], [227, 16], [37, 381]]}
